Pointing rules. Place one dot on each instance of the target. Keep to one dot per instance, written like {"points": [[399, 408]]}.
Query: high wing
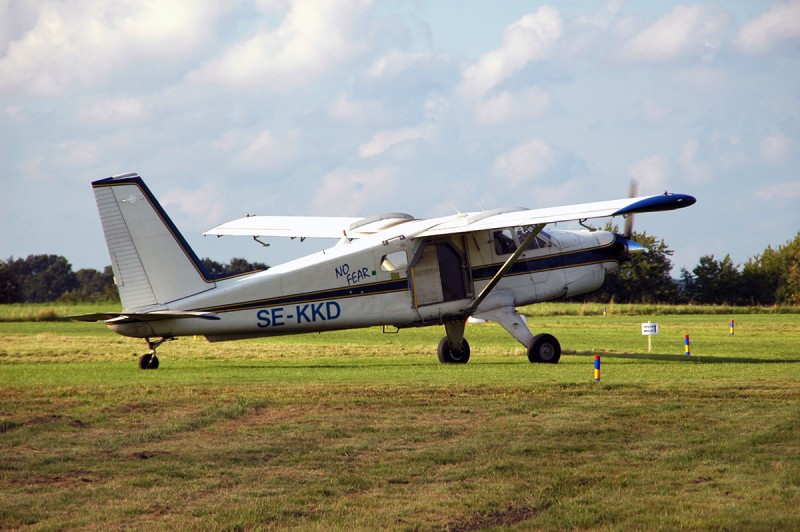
{"points": [[309, 226], [583, 211], [336, 227]]}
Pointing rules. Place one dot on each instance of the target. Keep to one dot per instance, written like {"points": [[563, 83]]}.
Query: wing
{"points": [[583, 211], [309, 226]]}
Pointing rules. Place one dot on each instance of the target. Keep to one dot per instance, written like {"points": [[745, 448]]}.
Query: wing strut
{"points": [[505, 267]]}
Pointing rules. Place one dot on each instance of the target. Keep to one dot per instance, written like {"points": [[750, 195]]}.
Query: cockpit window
{"points": [[542, 240], [504, 243]]}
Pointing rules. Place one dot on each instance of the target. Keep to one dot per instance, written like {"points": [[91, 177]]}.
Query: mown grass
{"points": [[360, 430], [49, 312]]}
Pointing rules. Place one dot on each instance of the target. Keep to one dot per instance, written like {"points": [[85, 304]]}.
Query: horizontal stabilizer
{"points": [[132, 317]]}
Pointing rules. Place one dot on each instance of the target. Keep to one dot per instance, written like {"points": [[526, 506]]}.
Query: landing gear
{"points": [[454, 348], [544, 348], [448, 355], [150, 360]]}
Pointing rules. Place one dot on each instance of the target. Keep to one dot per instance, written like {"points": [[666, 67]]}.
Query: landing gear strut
{"points": [[150, 360]]}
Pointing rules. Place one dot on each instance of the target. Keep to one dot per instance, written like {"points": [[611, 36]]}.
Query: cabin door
{"points": [[439, 274]]}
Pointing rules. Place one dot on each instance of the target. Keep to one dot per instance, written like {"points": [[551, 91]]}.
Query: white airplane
{"points": [[390, 269]]}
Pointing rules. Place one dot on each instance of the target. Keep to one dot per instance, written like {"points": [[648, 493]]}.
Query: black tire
{"points": [[148, 361], [448, 356], [544, 348]]}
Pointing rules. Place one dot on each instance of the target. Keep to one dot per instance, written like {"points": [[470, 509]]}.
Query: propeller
{"points": [[634, 249], [632, 191]]}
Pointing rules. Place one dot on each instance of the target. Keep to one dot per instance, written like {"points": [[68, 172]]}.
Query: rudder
{"points": [[153, 264]]}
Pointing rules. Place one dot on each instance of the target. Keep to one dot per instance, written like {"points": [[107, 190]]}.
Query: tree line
{"points": [[769, 278], [49, 278]]}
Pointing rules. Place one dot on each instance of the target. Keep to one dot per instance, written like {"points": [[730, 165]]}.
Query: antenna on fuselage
{"points": [[478, 203], [448, 202]]}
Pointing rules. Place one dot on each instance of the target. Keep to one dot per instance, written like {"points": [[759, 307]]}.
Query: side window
{"points": [[504, 242], [393, 262], [538, 242]]}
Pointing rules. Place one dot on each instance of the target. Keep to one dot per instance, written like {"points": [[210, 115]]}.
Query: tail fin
{"points": [[152, 263]]}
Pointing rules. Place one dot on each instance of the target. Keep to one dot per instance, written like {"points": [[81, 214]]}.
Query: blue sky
{"points": [[354, 107]]}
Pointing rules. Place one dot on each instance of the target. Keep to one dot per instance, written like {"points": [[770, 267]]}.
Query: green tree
{"points": [[772, 276], [646, 278], [715, 282], [10, 291], [93, 286], [43, 277], [234, 267]]}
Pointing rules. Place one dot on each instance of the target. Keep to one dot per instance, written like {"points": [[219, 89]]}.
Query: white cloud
{"points": [[345, 192], [506, 106], [81, 43], [114, 111], [779, 192], [313, 39], [684, 30], [259, 149], [528, 39], [652, 110], [352, 111], [778, 24], [701, 77], [524, 163], [694, 170], [200, 204], [395, 63], [384, 140], [79, 154], [650, 173], [775, 148]]}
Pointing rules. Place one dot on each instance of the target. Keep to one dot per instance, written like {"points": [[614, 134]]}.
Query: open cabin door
{"points": [[439, 274]]}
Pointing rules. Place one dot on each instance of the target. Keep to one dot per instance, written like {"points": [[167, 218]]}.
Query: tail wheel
{"points": [[544, 348], [148, 361], [448, 356]]}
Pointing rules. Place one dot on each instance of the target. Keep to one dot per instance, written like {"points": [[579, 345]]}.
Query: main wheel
{"points": [[148, 361], [448, 356], [544, 348]]}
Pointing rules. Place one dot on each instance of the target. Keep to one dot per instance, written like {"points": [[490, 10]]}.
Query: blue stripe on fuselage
{"points": [[522, 267]]}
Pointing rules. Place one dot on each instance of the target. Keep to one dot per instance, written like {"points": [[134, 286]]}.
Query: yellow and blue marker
{"points": [[686, 344], [731, 327], [597, 368]]}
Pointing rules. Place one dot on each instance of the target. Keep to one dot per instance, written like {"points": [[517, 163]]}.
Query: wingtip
{"points": [[665, 202]]}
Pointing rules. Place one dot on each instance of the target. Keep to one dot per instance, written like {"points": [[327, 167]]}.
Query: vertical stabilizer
{"points": [[153, 264]]}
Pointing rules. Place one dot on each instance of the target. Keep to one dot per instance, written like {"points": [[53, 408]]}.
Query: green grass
{"points": [[361, 430]]}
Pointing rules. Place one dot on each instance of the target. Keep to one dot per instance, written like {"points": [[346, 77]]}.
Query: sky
{"points": [[359, 107]]}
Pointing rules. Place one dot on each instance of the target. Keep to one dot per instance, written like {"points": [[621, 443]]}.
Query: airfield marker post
{"points": [[686, 345], [597, 368], [649, 329], [731, 327]]}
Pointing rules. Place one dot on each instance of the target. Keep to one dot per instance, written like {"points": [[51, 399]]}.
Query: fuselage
{"points": [[392, 279]]}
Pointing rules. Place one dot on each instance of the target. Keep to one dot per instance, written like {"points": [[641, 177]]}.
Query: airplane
{"points": [[390, 269]]}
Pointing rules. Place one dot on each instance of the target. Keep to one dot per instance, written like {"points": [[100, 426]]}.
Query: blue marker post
{"points": [[604, 312], [597, 368], [686, 345], [731, 327]]}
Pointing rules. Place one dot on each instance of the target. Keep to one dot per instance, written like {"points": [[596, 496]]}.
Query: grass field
{"points": [[364, 430]]}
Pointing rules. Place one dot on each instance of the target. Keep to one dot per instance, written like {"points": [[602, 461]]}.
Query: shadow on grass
{"points": [[695, 359]]}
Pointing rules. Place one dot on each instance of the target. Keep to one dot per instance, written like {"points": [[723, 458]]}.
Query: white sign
{"points": [[649, 328]]}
